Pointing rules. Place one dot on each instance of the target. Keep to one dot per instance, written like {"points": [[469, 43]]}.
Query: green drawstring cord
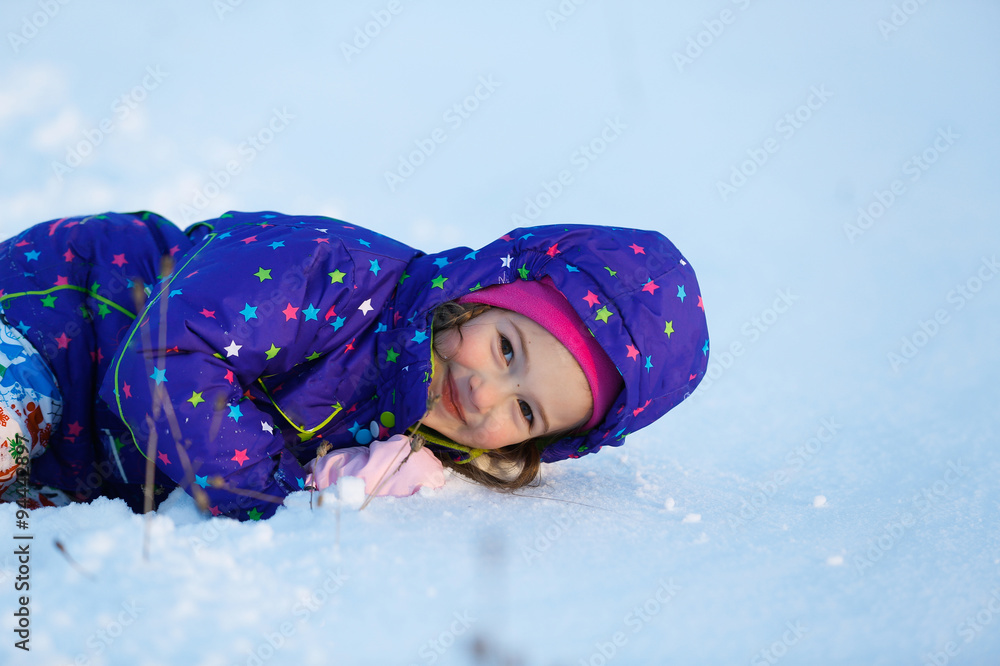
{"points": [[90, 292], [304, 433], [448, 444]]}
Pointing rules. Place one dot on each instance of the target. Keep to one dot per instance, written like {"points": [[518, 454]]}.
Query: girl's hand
{"points": [[372, 462]]}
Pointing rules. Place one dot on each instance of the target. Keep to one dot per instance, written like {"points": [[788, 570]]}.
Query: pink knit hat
{"points": [[543, 303]]}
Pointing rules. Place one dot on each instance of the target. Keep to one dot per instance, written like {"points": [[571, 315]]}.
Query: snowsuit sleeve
{"points": [[268, 294]]}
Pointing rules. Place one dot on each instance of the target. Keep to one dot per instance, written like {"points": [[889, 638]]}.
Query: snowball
{"points": [[351, 491], [835, 560], [819, 500], [692, 518], [669, 504]]}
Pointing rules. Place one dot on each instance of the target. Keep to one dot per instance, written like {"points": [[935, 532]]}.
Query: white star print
{"points": [[264, 425], [233, 349], [366, 307], [506, 261]]}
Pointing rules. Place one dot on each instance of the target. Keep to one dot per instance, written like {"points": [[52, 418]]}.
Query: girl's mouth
{"points": [[450, 400]]}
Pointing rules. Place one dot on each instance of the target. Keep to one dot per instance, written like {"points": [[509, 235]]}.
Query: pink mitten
{"points": [[369, 463]]}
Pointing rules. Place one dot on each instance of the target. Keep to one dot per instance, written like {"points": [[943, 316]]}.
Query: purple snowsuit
{"points": [[273, 333]]}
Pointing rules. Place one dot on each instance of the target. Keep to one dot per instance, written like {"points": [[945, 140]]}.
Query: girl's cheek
{"points": [[494, 434]]}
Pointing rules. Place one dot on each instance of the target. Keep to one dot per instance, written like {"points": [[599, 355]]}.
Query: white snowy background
{"points": [[829, 496]]}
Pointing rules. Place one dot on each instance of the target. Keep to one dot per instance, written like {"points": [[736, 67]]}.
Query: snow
{"points": [[828, 496]]}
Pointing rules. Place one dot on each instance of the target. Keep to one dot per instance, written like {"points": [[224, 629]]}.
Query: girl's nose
{"points": [[487, 392]]}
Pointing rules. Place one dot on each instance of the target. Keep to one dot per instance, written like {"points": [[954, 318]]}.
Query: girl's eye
{"points": [[506, 349], [508, 353], [526, 411]]}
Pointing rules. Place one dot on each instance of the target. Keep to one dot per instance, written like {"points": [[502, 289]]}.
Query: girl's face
{"points": [[505, 379]]}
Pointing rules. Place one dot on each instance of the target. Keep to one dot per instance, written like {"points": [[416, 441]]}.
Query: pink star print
{"points": [[63, 341], [289, 312], [119, 260], [591, 298], [163, 456], [241, 456], [637, 249]]}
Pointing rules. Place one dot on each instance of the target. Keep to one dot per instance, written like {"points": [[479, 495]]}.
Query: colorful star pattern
{"points": [[621, 281]]}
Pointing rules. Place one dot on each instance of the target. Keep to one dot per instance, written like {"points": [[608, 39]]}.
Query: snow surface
{"points": [[811, 504]]}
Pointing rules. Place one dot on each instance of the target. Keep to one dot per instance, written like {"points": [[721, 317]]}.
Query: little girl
{"points": [[259, 354]]}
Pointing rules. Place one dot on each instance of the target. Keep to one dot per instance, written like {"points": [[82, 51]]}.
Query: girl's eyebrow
{"points": [[524, 350]]}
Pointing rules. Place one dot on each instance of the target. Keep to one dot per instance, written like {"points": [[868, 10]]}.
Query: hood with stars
{"points": [[633, 289]]}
